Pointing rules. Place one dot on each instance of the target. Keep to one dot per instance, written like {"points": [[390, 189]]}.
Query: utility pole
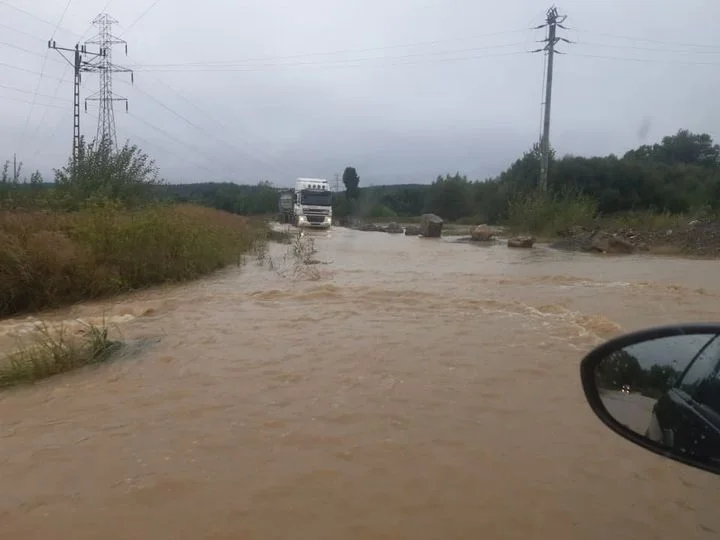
{"points": [[79, 65], [337, 183], [15, 171], [552, 21], [105, 68]]}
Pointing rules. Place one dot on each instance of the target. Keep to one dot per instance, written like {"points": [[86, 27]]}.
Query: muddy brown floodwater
{"points": [[408, 389]]}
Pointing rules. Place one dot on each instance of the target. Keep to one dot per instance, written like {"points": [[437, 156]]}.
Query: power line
{"points": [[183, 156], [637, 47], [140, 17], [61, 80], [203, 112], [644, 40], [26, 70], [373, 49], [23, 91], [248, 62], [51, 134], [344, 64], [28, 34], [56, 26], [62, 17], [209, 133], [167, 134], [649, 60], [30, 102], [42, 72], [28, 51]]}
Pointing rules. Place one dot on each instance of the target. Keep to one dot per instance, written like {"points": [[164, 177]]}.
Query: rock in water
{"points": [[481, 233], [521, 242], [412, 230], [431, 226], [610, 243]]}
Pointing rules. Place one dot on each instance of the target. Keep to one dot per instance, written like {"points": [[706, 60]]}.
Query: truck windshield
{"points": [[316, 198]]}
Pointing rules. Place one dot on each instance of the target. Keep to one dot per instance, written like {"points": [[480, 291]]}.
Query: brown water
{"points": [[409, 388]]}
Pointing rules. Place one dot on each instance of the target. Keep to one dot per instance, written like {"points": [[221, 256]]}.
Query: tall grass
{"points": [[646, 220], [50, 259], [55, 351], [547, 214]]}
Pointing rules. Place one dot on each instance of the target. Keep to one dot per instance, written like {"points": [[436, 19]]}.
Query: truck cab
{"points": [[312, 203]]}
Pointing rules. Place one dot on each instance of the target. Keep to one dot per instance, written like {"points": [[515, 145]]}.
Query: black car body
{"points": [[686, 418]]}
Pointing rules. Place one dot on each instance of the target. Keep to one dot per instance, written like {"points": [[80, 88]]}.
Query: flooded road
{"points": [[403, 389]]}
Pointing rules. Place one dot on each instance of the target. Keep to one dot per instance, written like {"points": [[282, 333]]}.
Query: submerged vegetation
{"points": [[54, 350]]}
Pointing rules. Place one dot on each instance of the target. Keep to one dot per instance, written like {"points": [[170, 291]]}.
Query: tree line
{"points": [[679, 174]]}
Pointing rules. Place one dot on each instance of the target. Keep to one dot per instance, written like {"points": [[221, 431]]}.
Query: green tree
{"points": [[101, 172], [351, 180], [682, 148], [450, 197]]}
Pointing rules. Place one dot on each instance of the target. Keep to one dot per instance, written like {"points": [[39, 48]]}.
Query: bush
{"points": [[126, 175], [55, 351], [51, 259], [547, 214]]}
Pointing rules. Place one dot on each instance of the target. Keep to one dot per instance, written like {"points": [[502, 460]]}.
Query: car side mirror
{"points": [[660, 389]]}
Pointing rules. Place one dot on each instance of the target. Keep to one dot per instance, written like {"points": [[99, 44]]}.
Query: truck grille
{"points": [[315, 219]]}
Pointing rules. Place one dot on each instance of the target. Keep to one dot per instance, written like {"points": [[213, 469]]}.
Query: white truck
{"points": [[312, 203]]}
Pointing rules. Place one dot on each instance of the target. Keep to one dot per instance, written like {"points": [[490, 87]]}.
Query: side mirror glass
{"points": [[660, 388]]}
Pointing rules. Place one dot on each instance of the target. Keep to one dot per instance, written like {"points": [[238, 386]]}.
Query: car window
{"points": [[703, 366], [709, 394]]}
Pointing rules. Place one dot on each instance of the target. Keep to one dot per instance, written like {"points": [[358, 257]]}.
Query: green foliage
{"points": [[126, 175], [100, 229], [547, 214], [351, 180], [450, 197], [239, 199], [683, 148]]}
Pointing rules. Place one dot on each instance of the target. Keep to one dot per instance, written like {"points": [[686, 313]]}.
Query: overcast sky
{"points": [[403, 90]]}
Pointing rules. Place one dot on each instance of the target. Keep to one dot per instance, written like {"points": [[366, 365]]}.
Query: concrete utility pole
{"points": [[337, 182], [79, 65], [105, 68], [552, 21]]}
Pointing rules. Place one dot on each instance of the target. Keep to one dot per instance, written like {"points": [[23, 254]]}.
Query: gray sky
{"points": [[403, 90]]}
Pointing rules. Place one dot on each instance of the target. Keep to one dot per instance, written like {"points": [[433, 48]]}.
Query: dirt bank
{"points": [[696, 238]]}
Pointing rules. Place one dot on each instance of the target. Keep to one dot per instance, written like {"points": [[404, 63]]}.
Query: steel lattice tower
{"points": [[104, 66]]}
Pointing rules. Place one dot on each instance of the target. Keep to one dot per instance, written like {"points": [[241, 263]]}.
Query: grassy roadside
{"points": [[570, 220], [50, 259]]}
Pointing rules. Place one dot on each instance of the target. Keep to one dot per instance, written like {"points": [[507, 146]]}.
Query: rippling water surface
{"points": [[403, 388]]}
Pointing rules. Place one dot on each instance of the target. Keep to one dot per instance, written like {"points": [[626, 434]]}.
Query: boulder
{"points": [[431, 226], [393, 228], [521, 242], [610, 243], [481, 233], [412, 230]]}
